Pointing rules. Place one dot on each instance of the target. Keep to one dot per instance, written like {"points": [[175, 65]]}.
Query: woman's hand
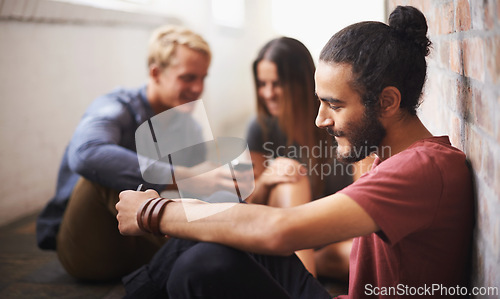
{"points": [[282, 170], [130, 201]]}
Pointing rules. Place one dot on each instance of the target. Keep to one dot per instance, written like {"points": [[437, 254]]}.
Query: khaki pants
{"points": [[89, 245]]}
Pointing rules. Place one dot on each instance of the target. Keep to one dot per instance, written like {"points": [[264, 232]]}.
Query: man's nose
{"points": [[197, 86], [323, 120]]}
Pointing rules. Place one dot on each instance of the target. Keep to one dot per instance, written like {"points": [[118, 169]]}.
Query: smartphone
{"points": [[242, 166]]}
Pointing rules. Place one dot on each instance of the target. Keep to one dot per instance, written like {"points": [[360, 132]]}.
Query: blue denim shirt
{"points": [[101, 150]]}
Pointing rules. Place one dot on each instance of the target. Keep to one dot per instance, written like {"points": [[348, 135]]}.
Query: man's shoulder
{"points": [[121, 95], [436, 150], [430, 161], [120, 101]]}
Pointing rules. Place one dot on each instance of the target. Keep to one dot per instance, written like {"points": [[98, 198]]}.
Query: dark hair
{"points": [[382, 55]]}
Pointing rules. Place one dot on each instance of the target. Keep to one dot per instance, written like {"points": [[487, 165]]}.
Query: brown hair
{"points": [[300, 106]]}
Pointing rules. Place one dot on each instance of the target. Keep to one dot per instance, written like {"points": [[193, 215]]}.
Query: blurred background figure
{"points": [[101, 161]]}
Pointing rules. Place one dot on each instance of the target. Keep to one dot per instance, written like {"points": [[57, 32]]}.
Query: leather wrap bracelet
{"points": [[149, 215]]}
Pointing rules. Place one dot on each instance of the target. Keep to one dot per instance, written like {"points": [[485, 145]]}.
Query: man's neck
{"points": [[154, 100], [401, 135]]}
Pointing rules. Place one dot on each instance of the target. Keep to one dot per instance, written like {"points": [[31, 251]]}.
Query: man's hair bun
{"points": [[409, 24]]}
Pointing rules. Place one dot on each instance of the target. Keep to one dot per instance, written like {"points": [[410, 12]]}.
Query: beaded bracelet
{"points": [[149, 215]]}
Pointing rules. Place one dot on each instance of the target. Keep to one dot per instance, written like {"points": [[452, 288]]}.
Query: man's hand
{"points": [[130, 201]]}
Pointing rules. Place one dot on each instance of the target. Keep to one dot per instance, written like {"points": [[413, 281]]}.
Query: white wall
{"points": [[57, 56], [314, 21]]}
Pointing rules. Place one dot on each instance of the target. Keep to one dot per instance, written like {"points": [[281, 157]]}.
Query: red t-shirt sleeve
{"points": [[389, 194]]}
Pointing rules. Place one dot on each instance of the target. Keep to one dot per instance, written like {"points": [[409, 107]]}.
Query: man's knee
{"points": [[86, 191], [203, 267]]}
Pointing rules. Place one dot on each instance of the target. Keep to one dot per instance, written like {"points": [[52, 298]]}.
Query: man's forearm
{"points": [[248, 227], [110, 165]]}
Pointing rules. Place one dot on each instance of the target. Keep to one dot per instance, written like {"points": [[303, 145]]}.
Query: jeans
{"points": [[187, 269]]}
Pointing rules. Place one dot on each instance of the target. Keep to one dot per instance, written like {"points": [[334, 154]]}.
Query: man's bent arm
{"points": [[255, 228]]}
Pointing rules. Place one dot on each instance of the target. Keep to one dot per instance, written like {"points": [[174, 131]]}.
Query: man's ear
{"points": [[154, 72], [390, 99]]}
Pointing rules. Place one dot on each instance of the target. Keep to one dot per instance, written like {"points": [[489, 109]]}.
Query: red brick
{"points": [[455, 132], [488, 165], [484, 108], [431, 17], [477, 15], [456, 63], [453, 91], [492, 56], [496, 162], [497, 126], [495, 242], [483, 209], [473, 56], [443, 49], [442, 22], [425, 6], [473, 144], [489, 13], [462, 16], [498, 9]]}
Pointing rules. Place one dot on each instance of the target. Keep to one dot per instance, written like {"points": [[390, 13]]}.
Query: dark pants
{"points": [[186, 269]]}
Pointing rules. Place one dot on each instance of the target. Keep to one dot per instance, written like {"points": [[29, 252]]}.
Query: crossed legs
{"points": [[186, 269], [331, 261]]}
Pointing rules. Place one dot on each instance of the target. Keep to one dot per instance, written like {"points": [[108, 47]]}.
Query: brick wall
{"points": [[462, 100]]}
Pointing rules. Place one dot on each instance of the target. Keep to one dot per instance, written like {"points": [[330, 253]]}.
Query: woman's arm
{"points": [[280, 170]]}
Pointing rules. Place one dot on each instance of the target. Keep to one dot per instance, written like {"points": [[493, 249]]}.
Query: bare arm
{"points": [[281, 170], [258, 161], [254, 228]]}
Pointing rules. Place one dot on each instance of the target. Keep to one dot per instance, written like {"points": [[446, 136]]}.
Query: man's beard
{"points": [[364, 137]]}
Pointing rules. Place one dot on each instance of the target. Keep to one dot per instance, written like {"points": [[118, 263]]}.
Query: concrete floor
{"points": [[28, 272]]}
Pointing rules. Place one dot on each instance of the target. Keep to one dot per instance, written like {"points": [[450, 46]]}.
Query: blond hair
{"points": [[165, 40]]}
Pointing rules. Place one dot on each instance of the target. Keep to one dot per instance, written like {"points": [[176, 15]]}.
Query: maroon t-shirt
{"points": [[422, 200]]}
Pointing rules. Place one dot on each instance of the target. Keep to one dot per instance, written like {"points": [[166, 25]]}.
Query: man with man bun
{"points": [[411, 214]]}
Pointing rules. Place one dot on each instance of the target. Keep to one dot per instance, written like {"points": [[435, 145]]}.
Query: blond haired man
{"points": [[100, 161]]}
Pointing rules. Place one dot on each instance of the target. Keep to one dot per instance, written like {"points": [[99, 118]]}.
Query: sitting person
{"points": [[101, 160], [284, 130], [369, 81]]}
